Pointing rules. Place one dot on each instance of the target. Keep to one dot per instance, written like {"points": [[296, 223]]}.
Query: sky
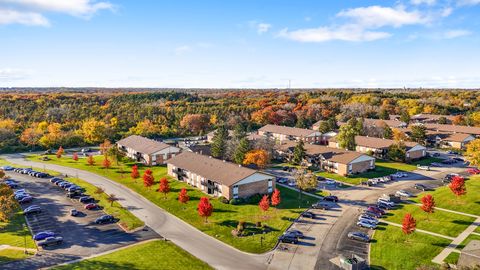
{"points": [[240, 43]]}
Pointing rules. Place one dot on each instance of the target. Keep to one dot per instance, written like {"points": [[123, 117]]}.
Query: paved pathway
{"points": [[457, 241], [208, 249], [419, 230]]}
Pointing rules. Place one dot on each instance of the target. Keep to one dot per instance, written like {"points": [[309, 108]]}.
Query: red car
{"points": [[376, 209], [473, 171], [91, 206]]}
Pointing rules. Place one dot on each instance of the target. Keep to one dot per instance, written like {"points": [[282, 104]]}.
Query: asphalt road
{"points": [[206, 248]]}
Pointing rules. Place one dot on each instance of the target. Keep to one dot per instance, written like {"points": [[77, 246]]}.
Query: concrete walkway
{"points": [[457, 241], [208, 249], [418, 230]]}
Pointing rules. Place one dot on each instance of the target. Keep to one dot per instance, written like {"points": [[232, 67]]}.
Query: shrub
{"points": [[223, 200], [258, 224], [237, 201], [254, 199]]}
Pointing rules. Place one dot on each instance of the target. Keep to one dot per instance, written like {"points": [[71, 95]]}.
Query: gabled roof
{"points": [[379, 122], [457, 137], [290, 131], [454, 128], [372, 142], [431, 117], [142, 144], [217, 170]]}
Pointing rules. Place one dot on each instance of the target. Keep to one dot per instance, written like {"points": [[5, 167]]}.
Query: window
{"points": [[269, 183], [235, 191], [270, 190]]}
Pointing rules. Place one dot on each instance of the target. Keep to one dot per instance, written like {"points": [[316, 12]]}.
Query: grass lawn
{"points": [[391, 249], [12, 233], [225, 217], [143, 256], [468, 239], [441, 222], [382, 168], [469, 203], [477, 230], [8, 255], [452, 258], [126, 219]]}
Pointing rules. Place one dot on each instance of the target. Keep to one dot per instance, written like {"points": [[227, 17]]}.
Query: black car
{"points": [[104, 219], [55, 180], [360, 236], [308, 215], [285, 168], [385, 206], [330, 198], [86, 199], [458, 159], [295, 233], [12, 185], [320, 205], [72, 194], [286, 238], [420, 187], [448, 161]]}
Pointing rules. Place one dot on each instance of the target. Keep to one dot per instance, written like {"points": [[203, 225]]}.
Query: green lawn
{"points": [[441, 222], [8, 255], [12, 233], [382, 168], [391, 249], [225, 217], [126, 218], [469, 203], [452, 258], [477, 230], [143, 256]]}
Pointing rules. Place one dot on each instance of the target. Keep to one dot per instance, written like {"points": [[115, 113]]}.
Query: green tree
{"points": [[301, 123], [304, 181], [384, 114], [405, 117], [219, 143], [242, 149], [299, 153], [346, 137], [397, 152], [387, 132], [442, 120], [419, 134]]}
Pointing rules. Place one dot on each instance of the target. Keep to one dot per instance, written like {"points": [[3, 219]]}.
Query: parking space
{"points": [[81, 236]]}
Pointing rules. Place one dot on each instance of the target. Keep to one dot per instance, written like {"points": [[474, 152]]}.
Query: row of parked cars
{"points": [[31, 172]]}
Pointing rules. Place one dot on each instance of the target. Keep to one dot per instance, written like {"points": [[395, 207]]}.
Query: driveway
{"points": [[206, 248]]}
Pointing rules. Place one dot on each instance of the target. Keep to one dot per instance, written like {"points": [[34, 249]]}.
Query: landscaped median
{"points": [[225, 217], [142, 256], [16, 238], [126, 219]]}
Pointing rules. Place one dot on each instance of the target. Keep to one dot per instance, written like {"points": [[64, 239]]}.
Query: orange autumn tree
{"points": [[60, 152], [457, 186], [135, 174], [258, 157], [75, 156], [205, 208], [276, 199], [264, 204], [428, 204], [409, 224], [90, 160], [183, 196], [148, 179], [106, 163], [164, 187]]}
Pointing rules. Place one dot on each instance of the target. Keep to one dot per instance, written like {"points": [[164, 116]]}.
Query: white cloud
{"points": [[31, 12], [446, 12], [263, 28], [421, 2], [450, 34], [181, 50], [323, 34], [12, 74], [377, 16], [468, 2]]}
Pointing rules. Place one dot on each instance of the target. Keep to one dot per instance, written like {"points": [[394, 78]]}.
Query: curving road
{"points": [[208, 249]]}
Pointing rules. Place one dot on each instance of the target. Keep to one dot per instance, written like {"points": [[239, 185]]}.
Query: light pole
{"points": [[24, 237]]}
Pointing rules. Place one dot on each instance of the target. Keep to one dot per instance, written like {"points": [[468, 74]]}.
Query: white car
{"points": [[423, 167], [291, 184], [368, 218], [403, 193], [389, 203], [330, 182]]}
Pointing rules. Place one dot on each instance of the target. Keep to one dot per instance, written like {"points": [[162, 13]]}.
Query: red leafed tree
{"points": [[428, 204], [90, 160], [276, 199], [106, 163], [264, 203], [457, 186], [75, 156], [183, 196], [135, 174], [409, 224], [148, 178], [205, 208], [60, 152], [164, 187]]}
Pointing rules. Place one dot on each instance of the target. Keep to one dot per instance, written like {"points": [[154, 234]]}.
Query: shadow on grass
{"points": [[100, 265], [462, 222]]}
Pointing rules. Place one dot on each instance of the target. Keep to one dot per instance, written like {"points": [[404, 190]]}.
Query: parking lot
{"points": [[81, 236]]}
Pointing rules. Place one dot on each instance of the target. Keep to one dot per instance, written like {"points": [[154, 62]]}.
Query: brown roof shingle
{"points": [[373, 142], [142, 144], [290, 131], [217, 170], [454, 128]]}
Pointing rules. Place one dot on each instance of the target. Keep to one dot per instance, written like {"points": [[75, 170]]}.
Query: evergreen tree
{"points": [[405, 117], [387, 132], [219, 143], [384, 114], [301, 122], [397, 152], [239, 132], [419, 134], [299, 153], [242, 149]]}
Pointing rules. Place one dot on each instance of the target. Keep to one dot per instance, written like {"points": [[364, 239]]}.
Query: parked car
{"points": [[18, 191], [320, 205], [473, 171], [448, 161], [383, 205], [367, 217], [291, 184], [399, 175], [74, 212], [435, 154], [282, 180], [12, 185], [91, 206], [86, 199], [43, 235], [321, 178], [285, 168], [421, 187], [367, 225], [403, 193], [459, 159], [21, 196], [286, 238], [330, 182], [308, 215], [376, 209], [330, 198], [73, 188], [423, 167], [360, 236], [53, 240], [436, 164], [7, 168], [295, 233], [73, 194], [373, 214], [385, 201], [55, 180], [27, 199], [33, 209], [451, 152], [104, 219], [369, 220]]}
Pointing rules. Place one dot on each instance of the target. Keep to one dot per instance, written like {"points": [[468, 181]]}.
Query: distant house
{"points": [[219, 178], [380, 122], [470, 255], [329, 159], [379, 147], [147, 151], [474, 131], [211, 134], [431, 118], [283, 133], [317, 124], [449, 140]]}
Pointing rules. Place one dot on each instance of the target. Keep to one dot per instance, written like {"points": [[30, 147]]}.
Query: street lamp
{"points": [[24, 237], [262, 237]]}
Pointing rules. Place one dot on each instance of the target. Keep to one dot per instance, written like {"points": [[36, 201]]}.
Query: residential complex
{"points": [[283, 133], [147, 151]]}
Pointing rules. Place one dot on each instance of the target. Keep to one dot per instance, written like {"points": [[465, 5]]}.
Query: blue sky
{"points": [[240, 43]]}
